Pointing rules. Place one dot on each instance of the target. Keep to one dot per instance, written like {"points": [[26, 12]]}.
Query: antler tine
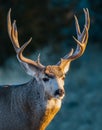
{"points": [[11, 31], [9, 23], [80, 45], [14, 37], [81, 40], [13, 34], [77, 26], [87, 18]]}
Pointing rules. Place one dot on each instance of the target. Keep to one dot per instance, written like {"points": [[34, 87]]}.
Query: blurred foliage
{"points": [[48, 22]]}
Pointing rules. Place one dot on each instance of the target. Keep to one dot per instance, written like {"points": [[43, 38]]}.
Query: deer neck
{"points": [[43, 108]]}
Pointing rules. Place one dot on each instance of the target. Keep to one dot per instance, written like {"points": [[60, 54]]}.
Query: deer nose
{"points": [[59, 92]]}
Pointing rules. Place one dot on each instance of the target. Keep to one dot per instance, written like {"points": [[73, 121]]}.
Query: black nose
{"points": [[59, 92]]}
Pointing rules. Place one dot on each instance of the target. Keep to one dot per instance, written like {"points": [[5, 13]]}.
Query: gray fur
{"points": [[22, 107]]}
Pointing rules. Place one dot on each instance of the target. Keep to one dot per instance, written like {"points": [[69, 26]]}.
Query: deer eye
{"points": [[45, 79]]}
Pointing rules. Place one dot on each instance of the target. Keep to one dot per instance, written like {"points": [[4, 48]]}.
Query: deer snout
{"points": [[59, 92]]}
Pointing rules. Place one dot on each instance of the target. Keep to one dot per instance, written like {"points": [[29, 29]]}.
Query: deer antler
{"points": [[81, 41], [13, 34]]}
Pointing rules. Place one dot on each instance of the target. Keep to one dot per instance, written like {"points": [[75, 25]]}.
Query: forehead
{"points": [[54, 71]]}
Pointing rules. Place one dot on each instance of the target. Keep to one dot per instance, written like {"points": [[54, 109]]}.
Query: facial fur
{"points": [[53, 81]]}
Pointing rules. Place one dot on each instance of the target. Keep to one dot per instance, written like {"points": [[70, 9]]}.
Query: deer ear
{"points": [[29, 69], [65, 67]]}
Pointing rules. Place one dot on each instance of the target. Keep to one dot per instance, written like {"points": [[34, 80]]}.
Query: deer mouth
{"points": [[59, 94], [59, 97]]}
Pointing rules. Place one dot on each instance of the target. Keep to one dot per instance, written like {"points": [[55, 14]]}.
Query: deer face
{"points": [[53, 82], [53, 86]]}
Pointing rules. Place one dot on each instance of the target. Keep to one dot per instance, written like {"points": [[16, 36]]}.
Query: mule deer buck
{"points": [[32, 106]]}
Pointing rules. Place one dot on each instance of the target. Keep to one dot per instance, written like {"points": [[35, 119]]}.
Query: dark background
{"points": [[51, 25]]}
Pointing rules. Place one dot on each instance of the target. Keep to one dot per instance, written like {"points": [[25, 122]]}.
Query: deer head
{"points": [[51, 76]]}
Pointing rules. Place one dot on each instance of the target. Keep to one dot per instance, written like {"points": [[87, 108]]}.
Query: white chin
{"points": [[58, 103], [59, 97]]}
